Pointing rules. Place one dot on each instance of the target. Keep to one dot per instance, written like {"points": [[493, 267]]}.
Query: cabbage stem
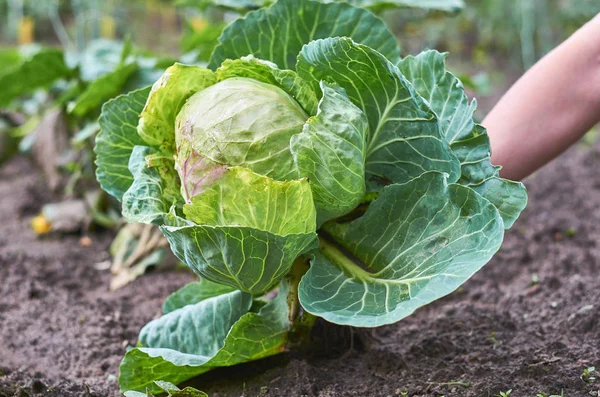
{"points": [[301, 321]]}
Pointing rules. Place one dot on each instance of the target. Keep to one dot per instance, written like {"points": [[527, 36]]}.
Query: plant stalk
{"points": [[301, 321]]}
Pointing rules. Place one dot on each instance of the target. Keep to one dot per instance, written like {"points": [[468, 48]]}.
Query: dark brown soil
{"points": [[62, 333]]}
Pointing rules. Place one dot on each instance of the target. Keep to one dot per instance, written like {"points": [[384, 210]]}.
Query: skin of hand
{"points": [[551, 107]]}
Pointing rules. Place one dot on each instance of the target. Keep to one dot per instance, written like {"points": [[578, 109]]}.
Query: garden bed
{"points": [[529, 321]]}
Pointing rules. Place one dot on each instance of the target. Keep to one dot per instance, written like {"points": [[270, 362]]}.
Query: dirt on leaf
{"points": [[529, 321]]}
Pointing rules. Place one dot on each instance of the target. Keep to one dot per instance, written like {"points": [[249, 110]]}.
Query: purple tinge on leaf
{"points": [[197, 173]]}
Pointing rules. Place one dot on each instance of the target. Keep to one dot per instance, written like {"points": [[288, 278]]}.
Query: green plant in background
{"points": [[588, 374], [562, 394], [373, 5], [81, 82], [24, 71], [56, 98], [201, 37], [536, 25], [308, 171], [39, 83]]}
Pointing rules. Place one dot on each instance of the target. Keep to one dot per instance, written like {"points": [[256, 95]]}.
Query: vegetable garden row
{"points": [[306, 171]]}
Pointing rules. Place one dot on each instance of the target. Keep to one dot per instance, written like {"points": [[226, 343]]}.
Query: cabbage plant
{"points": [[308, 171]]}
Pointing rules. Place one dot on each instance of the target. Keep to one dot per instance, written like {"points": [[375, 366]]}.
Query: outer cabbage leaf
{"points": [[187, 337], [181, 352], [278, 33], [469, 141], [164, 164], [189, 331], [246, 258], [193, 293], [243, 198], [404, 139], [26, 75], [116, 140], [167, 97], [416, 243], [331, 154], [102, 89], [249, 230], [144, 201], [508, 196]]}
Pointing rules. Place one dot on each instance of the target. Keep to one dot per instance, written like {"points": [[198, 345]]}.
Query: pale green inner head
{"points": [[242, 122]]}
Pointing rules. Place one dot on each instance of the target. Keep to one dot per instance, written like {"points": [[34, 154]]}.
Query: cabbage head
{"points": [[309, 159]]}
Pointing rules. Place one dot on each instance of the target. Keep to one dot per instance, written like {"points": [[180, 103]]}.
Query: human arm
{"points": [[550, 107]]}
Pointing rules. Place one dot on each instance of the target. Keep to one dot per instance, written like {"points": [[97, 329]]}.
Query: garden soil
{"points": [[529, 321]]}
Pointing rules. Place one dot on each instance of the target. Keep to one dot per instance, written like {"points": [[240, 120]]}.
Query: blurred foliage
{"points": [[518, 32], [74, 23], [373, 5], [491, 43], [41, 84], [201, 37]]}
